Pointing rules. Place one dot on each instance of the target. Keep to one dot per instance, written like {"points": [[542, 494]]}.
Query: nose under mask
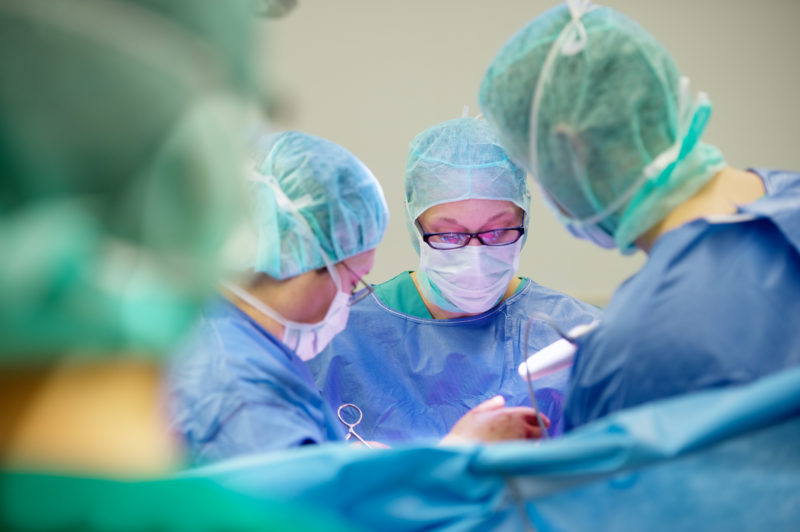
{"points": [[472, 279]]}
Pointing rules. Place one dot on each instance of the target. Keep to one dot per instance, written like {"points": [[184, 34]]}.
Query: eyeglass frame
{"points": [[427, 236], [362, 293]]}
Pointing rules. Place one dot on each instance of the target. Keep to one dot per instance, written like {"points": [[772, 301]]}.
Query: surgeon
{"points": [[240, 384], [597, 110], [431, 344]]}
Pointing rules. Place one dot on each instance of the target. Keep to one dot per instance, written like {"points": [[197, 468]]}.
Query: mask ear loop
{"points": [[256, 303]]}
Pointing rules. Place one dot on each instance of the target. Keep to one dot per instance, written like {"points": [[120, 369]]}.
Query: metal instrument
{"points": [[352, 425]]}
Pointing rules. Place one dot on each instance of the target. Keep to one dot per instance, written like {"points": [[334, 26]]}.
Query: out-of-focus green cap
{"points": [[597, 111], [120, 127]]}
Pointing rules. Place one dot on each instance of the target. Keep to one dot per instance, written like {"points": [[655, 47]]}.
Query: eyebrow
{"points": [[493, 218]]}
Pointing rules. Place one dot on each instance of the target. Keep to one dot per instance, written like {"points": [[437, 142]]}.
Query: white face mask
{"points": [[471, 279], [306, 339], [591, 233], [585, 231]]}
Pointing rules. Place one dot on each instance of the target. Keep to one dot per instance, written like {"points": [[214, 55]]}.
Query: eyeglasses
{"points": [[358, 294], [451, 240]]}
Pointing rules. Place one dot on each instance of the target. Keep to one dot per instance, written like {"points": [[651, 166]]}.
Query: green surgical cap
{"points": [[615, 133], [457, 160], [310, 197], [118, 146]]}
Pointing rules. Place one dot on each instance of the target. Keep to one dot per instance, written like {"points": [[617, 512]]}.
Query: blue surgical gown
{"points": [[236, 389], [717, 303], [414, 377]]}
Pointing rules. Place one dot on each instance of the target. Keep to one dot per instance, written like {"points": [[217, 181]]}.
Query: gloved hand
{"points": [[492, 421]]}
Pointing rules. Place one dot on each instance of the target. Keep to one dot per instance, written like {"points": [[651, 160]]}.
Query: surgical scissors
{"points": [[351, 426]]}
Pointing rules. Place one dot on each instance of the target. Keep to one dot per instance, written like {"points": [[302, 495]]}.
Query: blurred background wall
{"points": [[371, 74]]}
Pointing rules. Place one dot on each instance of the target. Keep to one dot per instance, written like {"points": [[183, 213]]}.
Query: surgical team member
{"points": [[240, 383], [596, 109], [431, 344]]}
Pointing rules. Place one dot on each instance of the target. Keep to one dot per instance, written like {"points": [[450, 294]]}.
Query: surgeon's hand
{"points": [[492, 421]]}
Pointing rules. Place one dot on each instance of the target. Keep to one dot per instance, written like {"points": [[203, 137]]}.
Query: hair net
{"points": [[457, 160], [117, 143], [312, 196], [615, 134]]}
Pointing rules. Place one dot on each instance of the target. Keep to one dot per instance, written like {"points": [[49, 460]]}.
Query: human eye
{"points": [[499, 236], [490, 237], [448, 239], [452, 238]]}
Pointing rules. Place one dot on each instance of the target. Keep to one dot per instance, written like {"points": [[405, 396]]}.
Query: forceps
{"points": [[351, 426]]}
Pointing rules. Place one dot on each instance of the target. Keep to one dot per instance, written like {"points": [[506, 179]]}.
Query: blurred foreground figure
{"points": [[120, 126], [597, 111]]}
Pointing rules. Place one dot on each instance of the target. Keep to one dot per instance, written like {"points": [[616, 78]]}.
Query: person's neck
{"points": [[91, 417], [439, 313], [723, 194], [274, 327]]}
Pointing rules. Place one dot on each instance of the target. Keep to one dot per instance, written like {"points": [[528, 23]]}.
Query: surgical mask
{"points": [[306, 339], [585, 231], [593, 234], [471, 279]]}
